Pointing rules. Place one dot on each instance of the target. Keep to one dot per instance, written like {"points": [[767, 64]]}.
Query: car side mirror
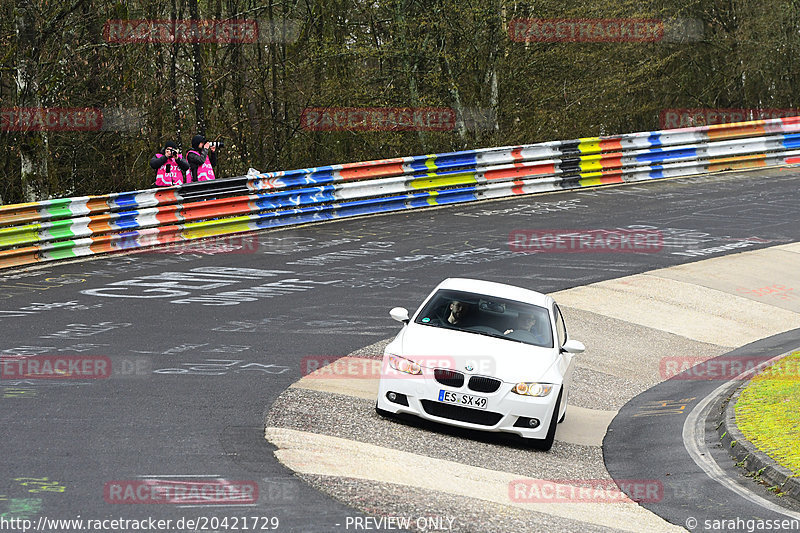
{"points": [[573, 346], [400, 314]]}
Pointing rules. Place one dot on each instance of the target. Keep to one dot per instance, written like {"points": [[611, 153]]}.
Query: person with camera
{"points": [[170, 166], [203, 158]]}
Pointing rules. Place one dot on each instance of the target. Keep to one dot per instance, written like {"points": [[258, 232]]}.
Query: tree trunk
{"points": [[277, 142], [173, 78], [200, 117], [33, 148]]}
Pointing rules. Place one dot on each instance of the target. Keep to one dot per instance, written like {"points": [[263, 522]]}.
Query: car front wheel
{"points": [[546, 443]]}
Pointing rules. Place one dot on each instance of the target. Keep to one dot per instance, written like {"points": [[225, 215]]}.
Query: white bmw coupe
{"points": [[484, 356]]}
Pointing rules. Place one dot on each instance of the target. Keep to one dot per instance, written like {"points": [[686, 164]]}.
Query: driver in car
{"points": [[459, 313]]}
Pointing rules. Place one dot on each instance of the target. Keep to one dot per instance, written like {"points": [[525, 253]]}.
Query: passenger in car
{"points": [[525, 322]]}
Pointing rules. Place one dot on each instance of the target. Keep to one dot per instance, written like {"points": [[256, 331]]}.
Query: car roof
{"points": [[501, 290]]}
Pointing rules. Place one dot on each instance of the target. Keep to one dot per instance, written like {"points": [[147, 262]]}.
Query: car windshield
{"points": [[487, 315]]}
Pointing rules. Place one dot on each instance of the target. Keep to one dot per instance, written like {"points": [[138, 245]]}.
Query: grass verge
{"points": [[768, 412]]}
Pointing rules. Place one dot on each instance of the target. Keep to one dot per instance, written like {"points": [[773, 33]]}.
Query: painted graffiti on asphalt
{"points": [[221, 367], [225, 348], [38, 307], [183, 285], [366, 249], [525, 209], [78, 331], [15, 288]]}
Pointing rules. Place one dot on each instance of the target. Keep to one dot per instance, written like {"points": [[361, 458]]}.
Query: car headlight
{"points": [[524, 388], [402, 364]]}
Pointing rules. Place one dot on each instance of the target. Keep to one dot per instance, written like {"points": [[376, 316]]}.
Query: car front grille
{"points": [[448, 377], [484, 384], [462, 414]]}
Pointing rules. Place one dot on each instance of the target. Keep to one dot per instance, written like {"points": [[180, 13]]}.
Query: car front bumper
{"points": [[505, 410]]}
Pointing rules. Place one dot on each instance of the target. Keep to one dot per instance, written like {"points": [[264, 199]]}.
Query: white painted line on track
{"points": [[694, 440]]}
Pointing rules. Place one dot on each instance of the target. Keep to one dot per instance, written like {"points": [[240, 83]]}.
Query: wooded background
{"points": [[454, 54]]}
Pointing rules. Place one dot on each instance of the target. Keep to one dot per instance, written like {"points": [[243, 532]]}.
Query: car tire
{"points": [[383, 412], [546, 443], [565, 409]]}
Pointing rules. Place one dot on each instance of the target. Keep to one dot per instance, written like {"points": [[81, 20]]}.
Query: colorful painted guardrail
{"points": [[75, 227]]}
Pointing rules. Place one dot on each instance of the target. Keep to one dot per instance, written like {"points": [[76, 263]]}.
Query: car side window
{"points": [[561, 329]]}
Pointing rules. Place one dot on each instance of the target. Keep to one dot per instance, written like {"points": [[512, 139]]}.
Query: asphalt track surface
{"points": [[198, 362], [691, 497]]}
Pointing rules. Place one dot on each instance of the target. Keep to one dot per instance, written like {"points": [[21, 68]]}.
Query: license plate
{"points": [[464, 400]]}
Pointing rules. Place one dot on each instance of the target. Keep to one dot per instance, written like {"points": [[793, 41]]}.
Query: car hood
{"points": [[507, 360]]}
